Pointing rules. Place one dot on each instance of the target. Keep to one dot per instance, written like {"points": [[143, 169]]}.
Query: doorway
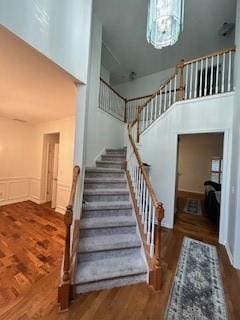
{"points": [[50, 168], [199, 184]]}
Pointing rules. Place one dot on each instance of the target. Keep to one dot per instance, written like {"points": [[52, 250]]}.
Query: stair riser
{"points": [[105, 185], [83, 257], [106, 231], [116, 151], [112, 158], [109, 165], [104, 175], [115, 154], [106, 197], [111, 283], [107, 213]]}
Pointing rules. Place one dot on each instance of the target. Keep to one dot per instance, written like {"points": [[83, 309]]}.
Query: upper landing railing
{"points": [[200, 77]]}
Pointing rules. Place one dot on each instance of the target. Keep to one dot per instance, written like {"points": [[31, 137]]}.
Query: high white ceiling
{"points": [[124, 33], [32, 88]]}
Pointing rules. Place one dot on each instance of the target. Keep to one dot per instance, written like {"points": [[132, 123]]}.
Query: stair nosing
{"points": [[105, 191], [99, 169], [109, 274], [118, 245], [109, 162], [104, 180], [106, 205], [128, 221]]}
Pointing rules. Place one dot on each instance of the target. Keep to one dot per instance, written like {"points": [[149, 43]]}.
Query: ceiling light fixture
{"points": [[165, 22]]}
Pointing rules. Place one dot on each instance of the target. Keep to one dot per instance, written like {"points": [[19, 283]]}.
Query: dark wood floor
{"points": [[38, 299], [196, 226]]}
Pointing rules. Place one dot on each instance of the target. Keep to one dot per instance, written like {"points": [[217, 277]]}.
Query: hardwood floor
{"points": [[31, 246], [199, 227], [136, 302]]}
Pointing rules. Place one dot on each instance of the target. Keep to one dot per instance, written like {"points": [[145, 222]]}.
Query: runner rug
{"points": [[197, 292]]}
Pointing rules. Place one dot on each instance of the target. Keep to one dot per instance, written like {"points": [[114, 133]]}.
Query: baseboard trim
{"points": [[12, 201], [98, 156], [229, 253], [230, 256], [60, 210], [166, 225], [35, 200]]}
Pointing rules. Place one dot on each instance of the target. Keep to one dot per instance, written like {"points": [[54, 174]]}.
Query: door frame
{"points": [[55, 175], [44, 173], [224, 212], [48, 196]]}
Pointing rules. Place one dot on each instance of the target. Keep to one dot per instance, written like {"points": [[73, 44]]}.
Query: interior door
{"points": [[50, 152], [55, 175]]}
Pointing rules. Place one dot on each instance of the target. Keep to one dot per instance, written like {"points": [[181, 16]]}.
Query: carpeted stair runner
{"points": [[110, 248]]}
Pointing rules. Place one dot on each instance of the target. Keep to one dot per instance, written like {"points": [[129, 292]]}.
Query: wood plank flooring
{"points": [[31, 246], [194, 225], [136, 302]]}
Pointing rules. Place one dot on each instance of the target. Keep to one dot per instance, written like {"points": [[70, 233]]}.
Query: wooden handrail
{"points": [[138, 98], [213, 54], [64, 292], [111, 88], [152, 193], [76, 172], [157, 92]]}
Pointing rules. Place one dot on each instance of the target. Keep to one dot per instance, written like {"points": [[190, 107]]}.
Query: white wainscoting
{"points": [[18, 189], [63, 194], [34, 190], [14, 189]]}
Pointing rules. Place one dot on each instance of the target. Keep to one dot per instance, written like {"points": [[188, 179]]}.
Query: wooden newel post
{"points": [[64, 290], [138, 124], [157, 263], [181, 92]]}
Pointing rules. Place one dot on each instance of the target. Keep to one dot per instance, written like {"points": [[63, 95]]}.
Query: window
{"points": [[216, 170]]}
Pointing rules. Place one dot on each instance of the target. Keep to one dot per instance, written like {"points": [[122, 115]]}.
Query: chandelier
{"points": [[165, 22]]}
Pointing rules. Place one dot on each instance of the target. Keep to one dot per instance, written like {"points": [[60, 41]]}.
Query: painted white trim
{"points": [[166, 225], [98, 157], [229, 253], [31, 193], [8, 196], [223, 225], [61, 210], [17, 200]]}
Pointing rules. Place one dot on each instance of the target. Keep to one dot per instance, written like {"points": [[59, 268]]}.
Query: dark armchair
{"points": [[212, 200]]}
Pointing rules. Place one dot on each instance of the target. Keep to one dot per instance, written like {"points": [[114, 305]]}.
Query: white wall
{"points": [[159, 144], [194, 161], [66, 129], [58, 29], [145, 85], [105, 74], [103, 131], [21, 158], [234, 200], [16, 140]]}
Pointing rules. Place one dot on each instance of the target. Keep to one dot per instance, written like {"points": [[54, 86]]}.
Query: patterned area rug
{"points": [[193, 206], [197, 292]]}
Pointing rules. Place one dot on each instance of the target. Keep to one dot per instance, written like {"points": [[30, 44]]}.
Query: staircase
{"points": [[110, 253]]}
